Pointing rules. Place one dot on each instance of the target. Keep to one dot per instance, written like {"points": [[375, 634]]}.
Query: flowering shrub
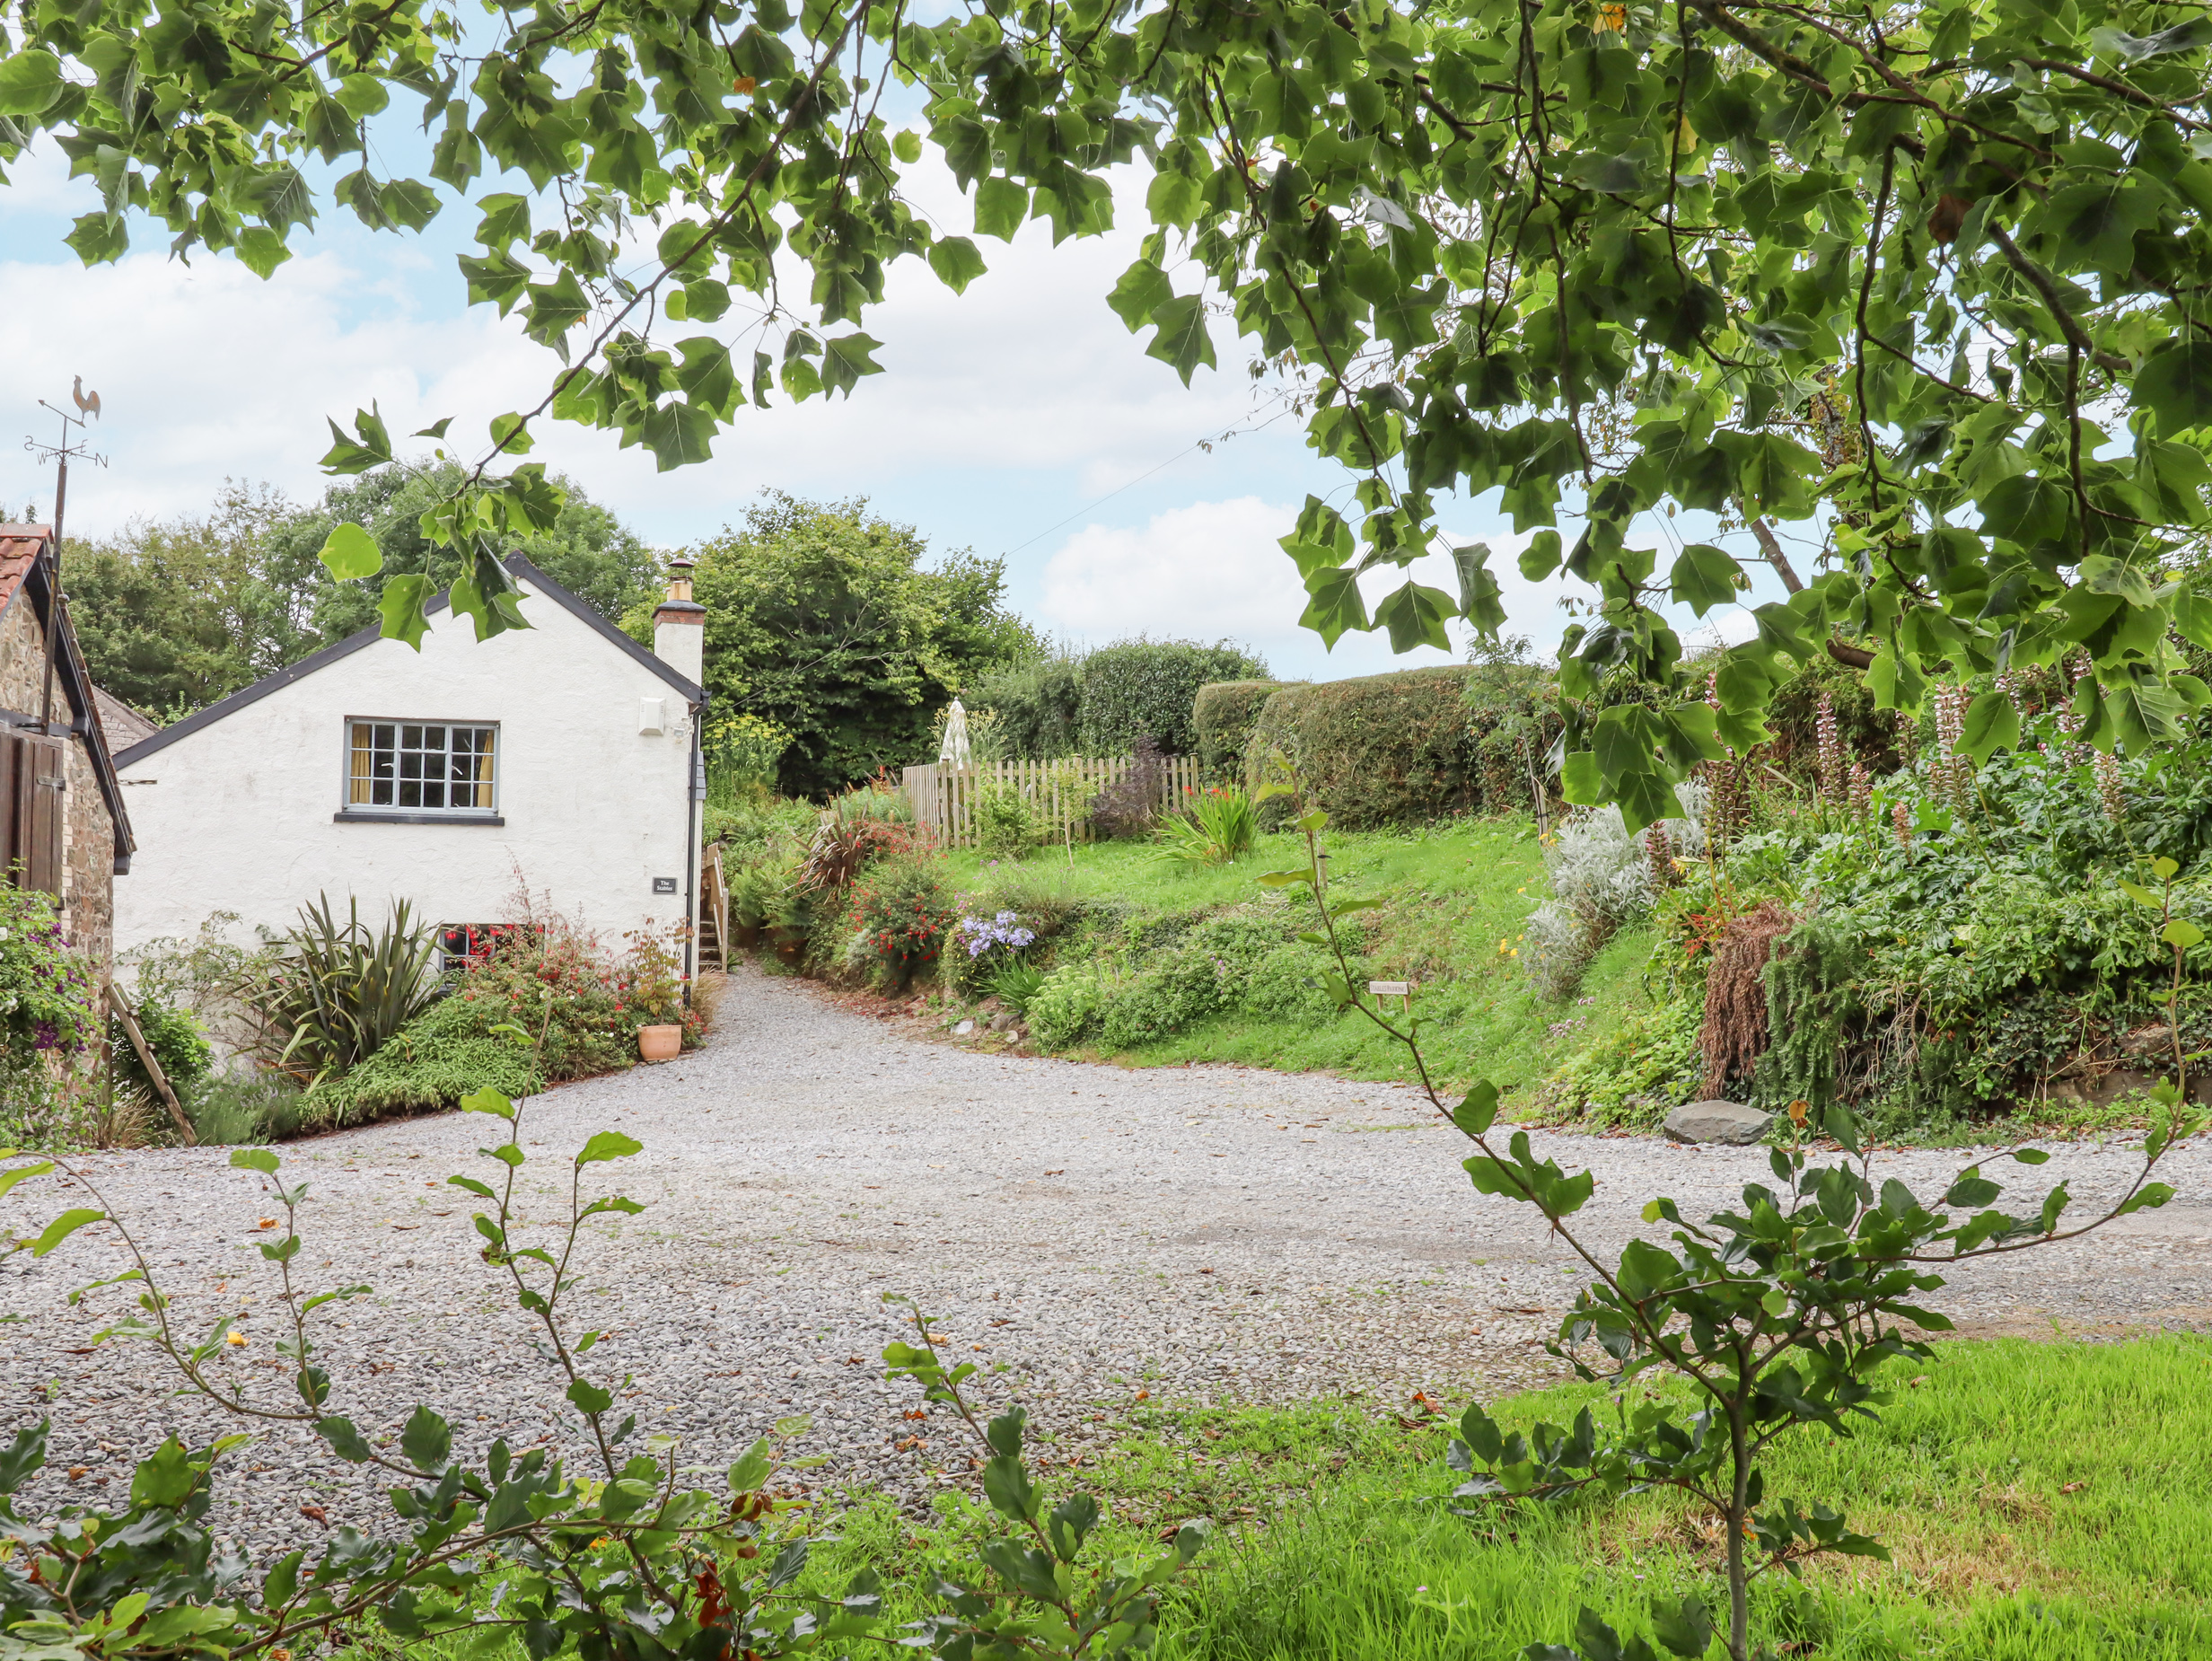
{"points": [[650, 979], [981, 935], [900, 915], [45, 989]]}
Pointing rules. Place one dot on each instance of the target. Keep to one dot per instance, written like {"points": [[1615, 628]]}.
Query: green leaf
{"points": [[426, 1440], [510, 436], [403, 609], [261, 249], [369, 447], [957, 262], [1684, 1628], [2148, 1197], [1992, 724], [2181, 933], [2175, 383], [609, 1145], [1138, 291], [483, 1098], [1477, 1110], [752, 1469], [62, 1227], [589, 1397], [253, 1159], [1704, 577], [1482, 601], [350, 553], [29, 81], [1007, 1486], [1182, 339], [1416, 616], [1336, 604], [845, 359], [346, 1442], [1001, 207]]}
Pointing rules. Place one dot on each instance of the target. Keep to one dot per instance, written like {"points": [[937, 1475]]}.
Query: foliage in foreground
{"points": [[624, 1561], [1779, 1316]]}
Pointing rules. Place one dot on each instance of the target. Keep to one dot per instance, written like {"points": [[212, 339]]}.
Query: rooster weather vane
{"points": [[76, 449]]}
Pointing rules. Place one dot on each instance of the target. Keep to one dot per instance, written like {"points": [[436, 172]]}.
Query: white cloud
{"points": [[1214, 569], [206, 371]]}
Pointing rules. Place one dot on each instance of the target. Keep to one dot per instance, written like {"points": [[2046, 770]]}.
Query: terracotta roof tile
{"points": [[19, 546]]}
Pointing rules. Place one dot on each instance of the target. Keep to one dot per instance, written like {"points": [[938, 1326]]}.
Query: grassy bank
{"points": [[2043, 1502], [1455, 898]]}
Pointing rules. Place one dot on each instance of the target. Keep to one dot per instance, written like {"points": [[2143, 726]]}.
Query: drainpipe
{"points": [[679, 641]]}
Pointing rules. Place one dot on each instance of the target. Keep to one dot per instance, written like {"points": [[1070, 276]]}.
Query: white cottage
{"points": [[565, 755]]}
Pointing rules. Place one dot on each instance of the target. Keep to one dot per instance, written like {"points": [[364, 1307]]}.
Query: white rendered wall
{"points": [[237, 815]]}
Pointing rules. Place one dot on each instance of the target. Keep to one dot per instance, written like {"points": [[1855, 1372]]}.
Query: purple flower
{"points": [[45, 1035]]}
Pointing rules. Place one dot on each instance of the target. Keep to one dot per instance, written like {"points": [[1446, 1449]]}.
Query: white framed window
{"points": [[422, 767]]}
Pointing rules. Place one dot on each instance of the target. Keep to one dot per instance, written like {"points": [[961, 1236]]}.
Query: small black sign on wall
{"points": [[664, 885]]}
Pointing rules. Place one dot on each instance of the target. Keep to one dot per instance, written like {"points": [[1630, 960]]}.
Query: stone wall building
{"points": [[63, 826]]}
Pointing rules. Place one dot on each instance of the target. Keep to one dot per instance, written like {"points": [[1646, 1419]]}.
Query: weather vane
{"points": [[62, 454]]}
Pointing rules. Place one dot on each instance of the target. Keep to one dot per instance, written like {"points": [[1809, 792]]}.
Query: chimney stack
{"points": [[680, 626]]}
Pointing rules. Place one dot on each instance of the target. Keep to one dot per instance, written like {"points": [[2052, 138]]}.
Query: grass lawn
{"points": [[1455, 898], [2043, 1501]]}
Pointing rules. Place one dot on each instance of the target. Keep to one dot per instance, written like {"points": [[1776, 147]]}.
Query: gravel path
{"points": [[1199, 1233]]}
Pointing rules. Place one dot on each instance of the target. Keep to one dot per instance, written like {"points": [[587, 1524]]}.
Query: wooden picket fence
{"points": [[945, 796]]}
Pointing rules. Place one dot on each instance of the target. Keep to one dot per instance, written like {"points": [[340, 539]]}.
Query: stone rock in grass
{"points": [[1716, 1121]]}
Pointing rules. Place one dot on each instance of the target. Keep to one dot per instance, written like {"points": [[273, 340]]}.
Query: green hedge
{"points": [[1377, 750], [1224, 714], [1146, 688], [1039, 707]]}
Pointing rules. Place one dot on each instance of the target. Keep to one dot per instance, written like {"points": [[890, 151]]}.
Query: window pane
{"points": [[428, 767]]}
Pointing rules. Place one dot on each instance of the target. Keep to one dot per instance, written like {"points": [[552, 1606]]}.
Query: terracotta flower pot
{"points": [[660, 1043]]}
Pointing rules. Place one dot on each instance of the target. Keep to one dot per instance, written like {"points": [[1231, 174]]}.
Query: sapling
{"points": [[1779, 1314], [1032, 1602], [2178, 935]]}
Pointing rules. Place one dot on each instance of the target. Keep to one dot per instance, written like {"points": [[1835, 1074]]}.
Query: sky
{"points": [[1019, 420]]}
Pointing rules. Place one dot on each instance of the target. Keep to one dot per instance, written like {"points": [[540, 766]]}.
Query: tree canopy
{"points": [[172, 616], [583, 548], [1919, 279], [823, 619]]}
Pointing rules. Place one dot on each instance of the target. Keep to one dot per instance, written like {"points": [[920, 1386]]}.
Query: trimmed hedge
{"points": [[1380, 750], [1038, 707], [1224, 714], [1146, 688]]}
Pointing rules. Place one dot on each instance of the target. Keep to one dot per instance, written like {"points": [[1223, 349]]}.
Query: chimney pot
{"points": [[679, 635]]}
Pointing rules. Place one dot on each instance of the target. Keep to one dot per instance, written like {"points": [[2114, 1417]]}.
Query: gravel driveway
{"points": [[1201, 1232]]}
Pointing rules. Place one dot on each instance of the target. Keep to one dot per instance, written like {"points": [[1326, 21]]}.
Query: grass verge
{"points": [[2043, 1502]]}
